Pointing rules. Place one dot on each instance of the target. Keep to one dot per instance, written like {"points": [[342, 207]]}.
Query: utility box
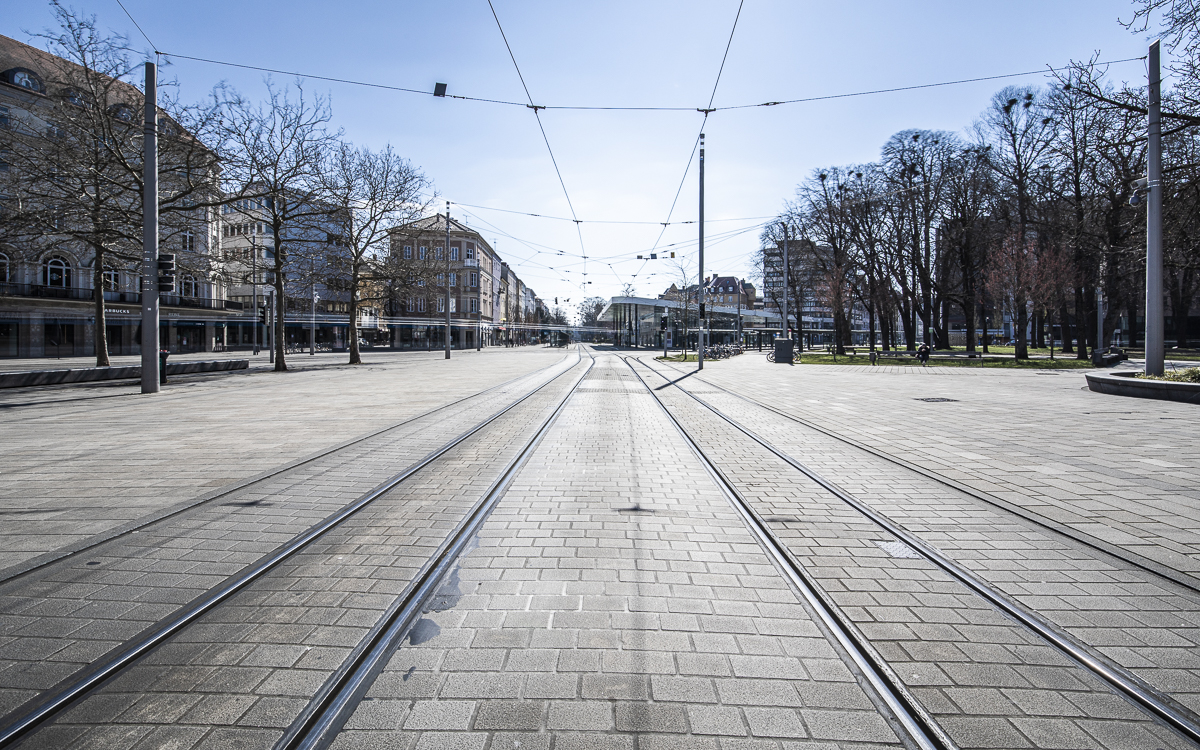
{"points": [[784, 351]]}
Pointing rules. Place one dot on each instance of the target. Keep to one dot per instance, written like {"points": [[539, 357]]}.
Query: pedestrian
{"points": [[923, 354]]}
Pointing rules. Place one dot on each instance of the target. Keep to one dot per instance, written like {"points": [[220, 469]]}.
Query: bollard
{"points": [[162, 365]]}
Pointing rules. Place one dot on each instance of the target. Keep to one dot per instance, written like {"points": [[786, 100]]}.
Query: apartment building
{"points": [[52, 230]]}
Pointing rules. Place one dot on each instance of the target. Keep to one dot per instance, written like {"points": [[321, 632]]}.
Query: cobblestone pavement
{"points": [[85, 460], [989, 681], [614, 599], [243, 672], [615, 602], [57, 619]]}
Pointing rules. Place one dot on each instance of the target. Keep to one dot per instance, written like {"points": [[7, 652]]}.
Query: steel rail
{"points": [[65, 553], [1132, 558], [48, 705], [322, 719], [922, 729], [1133, 688]]}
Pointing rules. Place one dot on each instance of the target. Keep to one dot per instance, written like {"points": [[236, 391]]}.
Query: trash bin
{"points": [[162, 365], [783, 351]]}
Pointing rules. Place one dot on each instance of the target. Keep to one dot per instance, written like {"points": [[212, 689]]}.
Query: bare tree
{"points": [[272, 154], [371, 193], [75, 158]]}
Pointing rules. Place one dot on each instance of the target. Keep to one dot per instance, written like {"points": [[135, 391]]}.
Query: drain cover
{"points": [[898, 549], [934, 400]]}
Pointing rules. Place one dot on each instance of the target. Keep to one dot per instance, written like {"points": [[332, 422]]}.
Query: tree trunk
{"points": [[1039, 330], [100, 337], [280, 306], [1065, 326], [1085, 321], [352, 328], [968, 308], [1022, 347]]}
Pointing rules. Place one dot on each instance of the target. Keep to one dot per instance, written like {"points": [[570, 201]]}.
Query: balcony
{"points": [[38, 291]]}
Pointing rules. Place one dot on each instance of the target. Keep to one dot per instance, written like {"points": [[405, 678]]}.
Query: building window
{"points": [[112, 280], [453, 279], [453, 305], [454, 253], [474, 305], [4, 269], [441, 281], [420, 304], [190, 288], [408, 252], [421, 252], [474, 279], [187, 241], [56, 272], [441, 305], [409, 303], [439, 253]]}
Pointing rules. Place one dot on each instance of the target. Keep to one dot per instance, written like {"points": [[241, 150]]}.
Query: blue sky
{"points": [[625, 166]]}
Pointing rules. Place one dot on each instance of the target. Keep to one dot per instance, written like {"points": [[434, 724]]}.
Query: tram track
{"points": [[67, 552], [1061, 529], [50, 705], [920, 727], [1137, 691]]}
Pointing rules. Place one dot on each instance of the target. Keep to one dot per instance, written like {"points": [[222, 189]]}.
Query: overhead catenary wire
{"points": [[542, 128], [704, 110], [696, 144], [138, 26], [602, 221]]}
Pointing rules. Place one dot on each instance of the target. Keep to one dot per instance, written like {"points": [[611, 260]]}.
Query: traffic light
{"points": [[262, 315], [663, 325], [166, 273]]}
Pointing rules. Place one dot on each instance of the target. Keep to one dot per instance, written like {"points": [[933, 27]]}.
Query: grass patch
{"points": [[1190, 375], [812, 358]]}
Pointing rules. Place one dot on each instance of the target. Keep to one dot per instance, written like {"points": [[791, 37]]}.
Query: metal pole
{"points": [[150, 235], [254, 291], [269, 333], [1154, 261], [447, 279], [1099, 319], [312, 328], [700, 278], [479, 298], [786, 279]]}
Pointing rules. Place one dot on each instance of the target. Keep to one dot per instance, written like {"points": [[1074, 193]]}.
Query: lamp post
{"points": [[447, 279], [254, 291], [700, 277], [1154, 204]]}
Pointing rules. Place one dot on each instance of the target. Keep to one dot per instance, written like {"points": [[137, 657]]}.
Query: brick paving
{"points": [[615, 603], [614, 599], [57, 619], [84, 460], [989, 681]]}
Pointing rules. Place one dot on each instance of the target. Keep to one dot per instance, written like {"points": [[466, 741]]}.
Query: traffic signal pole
{"points": [[150, 235]]}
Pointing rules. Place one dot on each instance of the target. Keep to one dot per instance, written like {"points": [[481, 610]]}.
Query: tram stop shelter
{"points": [[637, 322]]}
